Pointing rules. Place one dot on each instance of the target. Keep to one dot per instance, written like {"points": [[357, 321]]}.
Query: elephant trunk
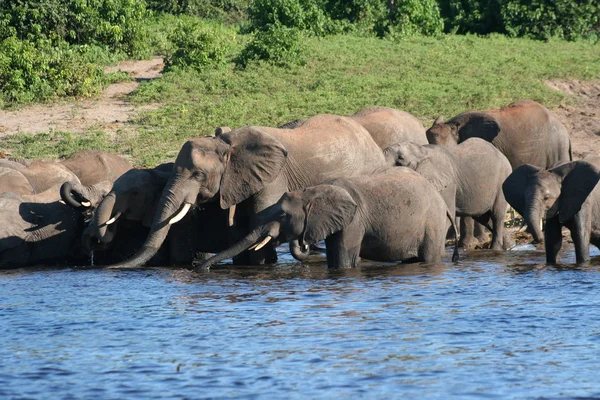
{"points": [[66, 193], [103, 215], [533, 218], [255, 240], [172, 207], [299, 252]]}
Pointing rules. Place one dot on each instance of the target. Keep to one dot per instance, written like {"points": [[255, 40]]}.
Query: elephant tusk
{"points": [[113, 219], [231, 215], [180, 214], [260, 245], [541, 224], [86, 203]]}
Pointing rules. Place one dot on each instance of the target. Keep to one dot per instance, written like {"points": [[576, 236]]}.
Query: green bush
{"points": [[537, 19], [305, 15], [113, 23], [278, 45], [195, 47], [224, 10], [563, 19], [415, 17], [39, 71]]}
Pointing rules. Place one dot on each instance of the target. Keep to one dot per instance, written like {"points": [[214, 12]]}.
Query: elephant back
{"points": [[93, 166], [388, 126], [13, 181]]}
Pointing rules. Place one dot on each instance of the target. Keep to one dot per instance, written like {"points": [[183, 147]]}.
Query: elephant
{"points": [[39, 228], [393, 215], [130, 206], [566, 195], [470, 176], [94, 166], [525, 132], [251, 167], [386, 125], [12, 179]]}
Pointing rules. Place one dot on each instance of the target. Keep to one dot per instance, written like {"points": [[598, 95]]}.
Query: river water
{"points": [[491, 326]]}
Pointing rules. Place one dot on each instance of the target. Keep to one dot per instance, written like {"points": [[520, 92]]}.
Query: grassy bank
{"points": [[424, 76]]}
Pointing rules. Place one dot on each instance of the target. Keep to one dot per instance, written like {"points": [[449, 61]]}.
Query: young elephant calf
{"points": [[566, 195], [469, 176], [395, 215]]}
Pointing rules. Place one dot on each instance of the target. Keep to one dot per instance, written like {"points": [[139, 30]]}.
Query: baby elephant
{"points": [[395, 215], [469, 176], [566, 195]]}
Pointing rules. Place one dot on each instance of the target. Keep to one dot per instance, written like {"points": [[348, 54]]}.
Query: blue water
{"points": [[491, 326]]}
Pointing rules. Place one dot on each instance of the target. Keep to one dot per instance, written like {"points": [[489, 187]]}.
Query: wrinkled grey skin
{"points": [[134, 198], [251, 167], [540, 195], [474, 170], [36, 229], [567, 195], [386, 125], [525, 132], [381, 217], [38, 176]]}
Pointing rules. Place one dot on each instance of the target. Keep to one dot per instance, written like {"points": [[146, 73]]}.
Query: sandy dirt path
{"points": [[109, 111]]}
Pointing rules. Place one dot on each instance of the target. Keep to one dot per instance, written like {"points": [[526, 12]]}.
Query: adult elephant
{"points": [[525, 132], [131, 205], [394, 215], [94, 166], [470, 177], [255, 166], [567, 195], [386, 125], [12, 179], [40, 175]]}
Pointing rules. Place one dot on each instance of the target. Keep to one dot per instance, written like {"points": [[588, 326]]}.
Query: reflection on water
{"points": [[492, 325]]}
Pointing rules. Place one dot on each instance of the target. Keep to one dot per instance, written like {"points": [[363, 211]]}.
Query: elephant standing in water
{"points": [[470, 176], [251, 167], [525, 132], [394, 215], [567, 195], [386, 125], [128, 211]]}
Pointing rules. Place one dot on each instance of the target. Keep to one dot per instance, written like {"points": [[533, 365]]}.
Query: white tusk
{"points": [[231, 214], [86, 203], [262, 244], [62, 202], [113, 219], [180, 214], [541, 224]]}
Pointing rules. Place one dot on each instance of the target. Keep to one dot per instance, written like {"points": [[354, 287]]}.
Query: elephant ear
{"points": [[514, 186], [438, 170], [255, 159], [575, 189], [478, 124], [328, 210]]}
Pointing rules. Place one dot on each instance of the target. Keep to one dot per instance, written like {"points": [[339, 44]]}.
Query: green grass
{"points": [[424, 76]]}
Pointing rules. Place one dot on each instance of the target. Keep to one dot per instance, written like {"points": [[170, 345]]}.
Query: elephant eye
{"points": [[199, 175]]}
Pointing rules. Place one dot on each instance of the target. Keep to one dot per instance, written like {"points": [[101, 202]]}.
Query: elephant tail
{"points": [[455, 256]]}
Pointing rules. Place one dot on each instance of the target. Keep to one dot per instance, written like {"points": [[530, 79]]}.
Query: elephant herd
{"points": [[374, 184]]}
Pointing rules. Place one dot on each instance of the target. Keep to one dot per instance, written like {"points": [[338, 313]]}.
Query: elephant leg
{"points": [[553, 240], [580, 233], [497, 216], [481, 233], [343, 249], [467, 238]]}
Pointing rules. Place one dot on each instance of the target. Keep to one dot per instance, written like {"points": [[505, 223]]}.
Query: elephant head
{"points": [[538, 194], [134, 196], [82, 197], [431, 161], [305, 216], [462, 127], [228, 168]]}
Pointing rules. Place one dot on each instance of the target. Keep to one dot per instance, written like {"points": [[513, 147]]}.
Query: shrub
{"points": [[39, 71], [278, 45], [564, 19], [113, 23], [415, 17], [224, 10], [301, 14], [472, 16], [195, 47]]}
